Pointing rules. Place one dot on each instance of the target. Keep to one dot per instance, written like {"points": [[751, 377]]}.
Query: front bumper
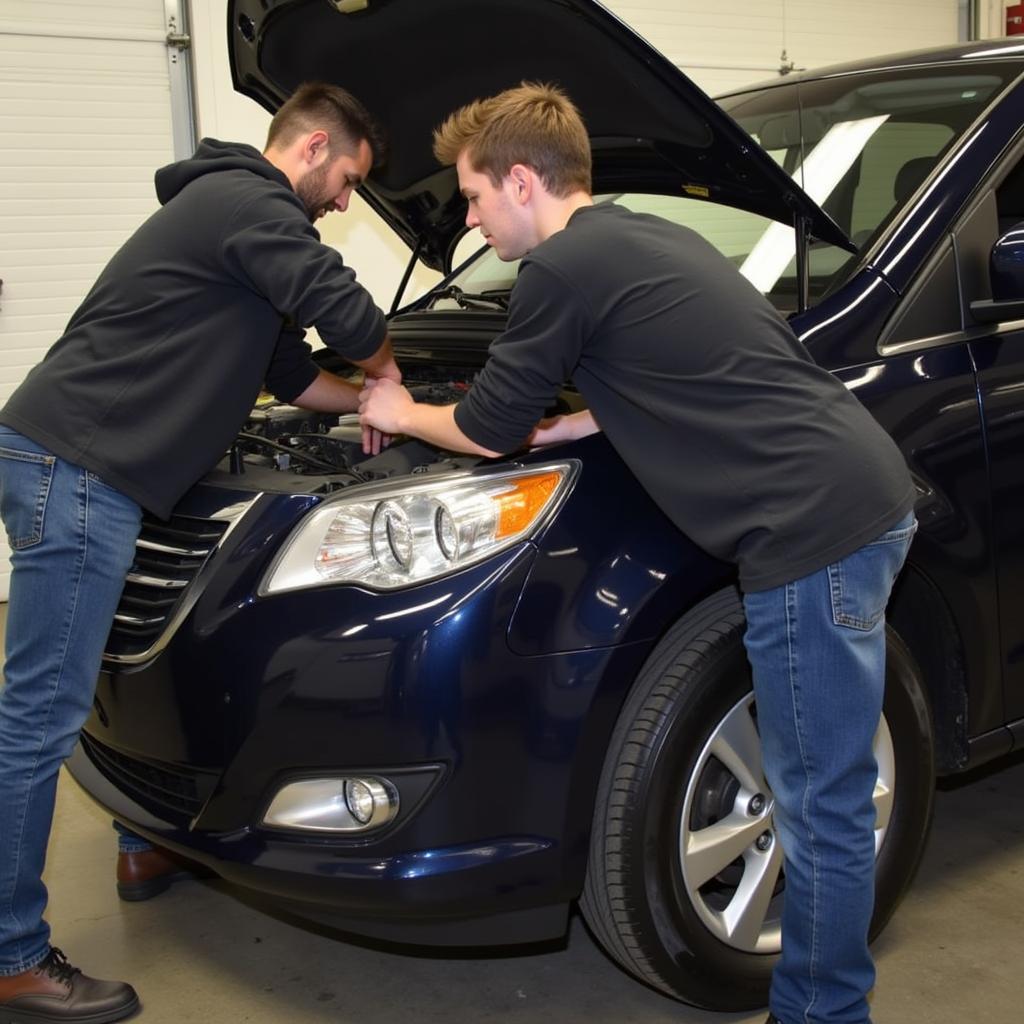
{"points": [[419, 896], [496, 754]]}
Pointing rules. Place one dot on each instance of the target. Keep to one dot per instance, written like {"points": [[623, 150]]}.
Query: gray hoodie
{"points": [[160, 365]]}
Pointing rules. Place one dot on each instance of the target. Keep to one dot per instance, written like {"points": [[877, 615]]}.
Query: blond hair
{"points": [[533, 124]]}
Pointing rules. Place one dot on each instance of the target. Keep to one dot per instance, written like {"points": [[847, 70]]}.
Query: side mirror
{"points": [[1006, 270]]}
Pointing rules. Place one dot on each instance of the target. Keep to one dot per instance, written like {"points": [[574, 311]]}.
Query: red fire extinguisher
{"points": [[1015, 20]]}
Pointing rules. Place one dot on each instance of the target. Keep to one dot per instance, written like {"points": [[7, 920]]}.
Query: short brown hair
{"points": [[316, 105], [533, 124]]}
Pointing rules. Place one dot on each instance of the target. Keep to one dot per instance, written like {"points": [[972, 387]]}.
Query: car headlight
{"points": [[400, 533]]}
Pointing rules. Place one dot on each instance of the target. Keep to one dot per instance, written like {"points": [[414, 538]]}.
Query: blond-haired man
{"points": [[755, 452]]}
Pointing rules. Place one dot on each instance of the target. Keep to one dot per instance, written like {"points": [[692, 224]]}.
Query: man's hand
{"points": [[329, 393], [382, 403], [388, 407], [375, 441], [380, 366]]}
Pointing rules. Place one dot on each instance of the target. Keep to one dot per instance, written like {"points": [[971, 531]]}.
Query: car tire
{"points": [[665, 783]]}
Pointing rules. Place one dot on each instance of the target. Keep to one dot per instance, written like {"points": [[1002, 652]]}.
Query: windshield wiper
{"points": [[473, 300]]}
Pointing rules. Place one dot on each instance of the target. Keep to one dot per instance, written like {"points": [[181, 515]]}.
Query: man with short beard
{"points": [[154, 375]]}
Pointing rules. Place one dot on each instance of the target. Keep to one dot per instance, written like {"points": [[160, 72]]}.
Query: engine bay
{"points": [[286, 448]]}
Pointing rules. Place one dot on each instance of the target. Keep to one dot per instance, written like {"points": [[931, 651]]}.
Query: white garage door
{"points": [[85, 119]]}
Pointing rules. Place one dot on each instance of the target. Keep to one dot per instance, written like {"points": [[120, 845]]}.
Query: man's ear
{"points": [[314, 148], [522, 181]]}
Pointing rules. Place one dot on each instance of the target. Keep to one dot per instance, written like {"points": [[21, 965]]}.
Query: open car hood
{"points": [[412, 62]]}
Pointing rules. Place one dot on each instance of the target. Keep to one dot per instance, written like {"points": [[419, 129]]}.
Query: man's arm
{"points": [[527, 364], [392, 409], [271, 247], [381, 365], [570, 427], [329, 393], [389, 408]]}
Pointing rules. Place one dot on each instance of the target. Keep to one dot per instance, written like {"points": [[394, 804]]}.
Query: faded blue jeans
{"points": [[129, 842], [72, 539], [817, 650]]}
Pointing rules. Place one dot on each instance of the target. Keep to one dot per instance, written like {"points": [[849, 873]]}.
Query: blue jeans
{"points": [[817, 650], [72, 539], [129, 842]]}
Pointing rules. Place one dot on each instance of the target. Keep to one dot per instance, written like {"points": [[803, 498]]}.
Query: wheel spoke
{"points": [[883, 799], [744, 917], [738, 746], [711, 849]]}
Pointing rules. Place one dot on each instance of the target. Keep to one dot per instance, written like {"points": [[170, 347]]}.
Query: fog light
{"points": [[360, 799], [343, 804]]}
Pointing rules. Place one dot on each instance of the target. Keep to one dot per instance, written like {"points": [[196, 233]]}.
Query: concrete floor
{"points": [[204, 952]]}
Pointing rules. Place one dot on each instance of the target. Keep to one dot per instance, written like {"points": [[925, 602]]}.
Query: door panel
{"points": [[1000, 365], [998, 353]]}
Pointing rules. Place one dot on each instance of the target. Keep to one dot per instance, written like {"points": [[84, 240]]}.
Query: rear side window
{"points": [[860, 145], [895, 161]]}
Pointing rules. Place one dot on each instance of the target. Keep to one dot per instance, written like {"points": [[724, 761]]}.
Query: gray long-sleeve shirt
{"points": [[759, 455], [161, 363]]}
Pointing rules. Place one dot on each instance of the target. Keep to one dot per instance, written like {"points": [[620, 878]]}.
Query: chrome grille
{"points": [[172, 788], [168, 558]]}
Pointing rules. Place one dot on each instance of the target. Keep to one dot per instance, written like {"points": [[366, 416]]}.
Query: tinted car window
{"points": [[860, 146]]}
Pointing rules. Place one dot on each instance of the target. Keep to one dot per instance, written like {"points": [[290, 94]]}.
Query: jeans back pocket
{"points": [[25, 479], [860, 584]]}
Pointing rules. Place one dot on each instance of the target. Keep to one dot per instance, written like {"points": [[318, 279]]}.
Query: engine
{"points": [[322, 451]]}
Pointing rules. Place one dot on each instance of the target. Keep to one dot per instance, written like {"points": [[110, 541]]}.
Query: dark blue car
{"points": [[438, 699]]}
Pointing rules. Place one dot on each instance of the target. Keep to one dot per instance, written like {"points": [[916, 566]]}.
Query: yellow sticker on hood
{"points": [[697, 190]]}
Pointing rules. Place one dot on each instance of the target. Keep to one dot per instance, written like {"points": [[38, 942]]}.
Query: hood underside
{"points": [[412, 62]]}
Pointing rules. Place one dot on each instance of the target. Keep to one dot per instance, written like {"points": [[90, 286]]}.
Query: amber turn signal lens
{"points": [[523, 502]]}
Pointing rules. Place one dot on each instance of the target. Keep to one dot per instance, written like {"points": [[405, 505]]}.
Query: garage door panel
{"points": [[35, 194], [51, 226], [86, 118], [110, 13], [119, 63], [125, 172], [109, 129], [49, 98], [35, 264]]}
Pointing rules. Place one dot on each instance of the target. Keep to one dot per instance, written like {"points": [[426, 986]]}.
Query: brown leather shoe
{"points": [[143, 875], [54, 992]]}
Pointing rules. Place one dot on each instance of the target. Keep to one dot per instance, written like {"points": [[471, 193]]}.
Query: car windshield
{"points": [[859, 145]]}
